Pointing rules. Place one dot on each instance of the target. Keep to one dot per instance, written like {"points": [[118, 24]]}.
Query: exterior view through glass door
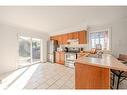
{"points": [[36, 44], [29, 51]]}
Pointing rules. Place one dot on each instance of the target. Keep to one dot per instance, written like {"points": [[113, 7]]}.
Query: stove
{"points": [[70, 59]]}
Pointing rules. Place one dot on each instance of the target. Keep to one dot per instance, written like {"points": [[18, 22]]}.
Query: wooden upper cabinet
{"points": [[75, 35], [54, 38], [70, 35], [82, 37], [58, 38], [64, 38]]}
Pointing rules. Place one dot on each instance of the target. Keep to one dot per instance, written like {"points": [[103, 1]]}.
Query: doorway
{"points": [[29, 51]]}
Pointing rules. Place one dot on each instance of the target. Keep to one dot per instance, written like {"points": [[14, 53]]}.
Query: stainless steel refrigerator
{"points": [[52, 47]]}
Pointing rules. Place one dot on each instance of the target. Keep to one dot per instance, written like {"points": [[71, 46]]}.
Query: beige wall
{"points": [[9, 45]]}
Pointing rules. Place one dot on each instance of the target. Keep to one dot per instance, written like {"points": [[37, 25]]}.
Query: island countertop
{"points": [[107, 61]]}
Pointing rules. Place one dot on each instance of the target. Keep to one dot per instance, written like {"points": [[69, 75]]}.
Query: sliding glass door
{"points": [[36, 50], [24, 51], [29, 51]]}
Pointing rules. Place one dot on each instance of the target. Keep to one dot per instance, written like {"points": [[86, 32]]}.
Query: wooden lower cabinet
{"points": [[59, 57], [62, 58], [91, 77]]}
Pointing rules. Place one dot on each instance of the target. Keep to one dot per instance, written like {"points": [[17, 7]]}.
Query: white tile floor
{"points": [[41, 76], [52, 76], [44, 76]]}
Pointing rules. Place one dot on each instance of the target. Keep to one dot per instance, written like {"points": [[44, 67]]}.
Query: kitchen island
{"points": [[94, 73]]}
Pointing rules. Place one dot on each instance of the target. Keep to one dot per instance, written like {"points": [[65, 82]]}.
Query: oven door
{"points": [[70, 59], [70, 64], [70, 56]]}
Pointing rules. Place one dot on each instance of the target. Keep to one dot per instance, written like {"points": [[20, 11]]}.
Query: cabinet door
{"points": [[55, 38], [70, 35], [59, 39], [62, 58], [57, 57], [75, 35], [64, 39], [82, 37]]}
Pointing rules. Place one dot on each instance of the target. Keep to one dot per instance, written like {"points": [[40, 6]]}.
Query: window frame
{"points": [[100, 30]]}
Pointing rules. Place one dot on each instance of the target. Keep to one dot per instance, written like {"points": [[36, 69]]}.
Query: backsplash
{"points": [[84, 46]]}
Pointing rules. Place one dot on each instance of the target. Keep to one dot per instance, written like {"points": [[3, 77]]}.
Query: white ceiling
{"points": [[52, 19]]}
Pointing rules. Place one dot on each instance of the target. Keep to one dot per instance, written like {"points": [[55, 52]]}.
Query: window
{"points": [[101, 38], [24, 51]]}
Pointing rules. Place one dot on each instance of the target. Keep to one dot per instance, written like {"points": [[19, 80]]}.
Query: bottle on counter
{"points": [[81, 50]]}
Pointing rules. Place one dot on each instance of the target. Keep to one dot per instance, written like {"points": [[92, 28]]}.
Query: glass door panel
{"points": [[24, 51], [36, 50]]}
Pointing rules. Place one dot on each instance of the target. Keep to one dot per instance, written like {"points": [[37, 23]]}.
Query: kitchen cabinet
{"points": [[65, 38], [59, 57], [51, 38], [82, 37], [62, 39], [62, 58], [91, 77], [70, 35], [59, 39], [75, 35], [96, 74]]}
